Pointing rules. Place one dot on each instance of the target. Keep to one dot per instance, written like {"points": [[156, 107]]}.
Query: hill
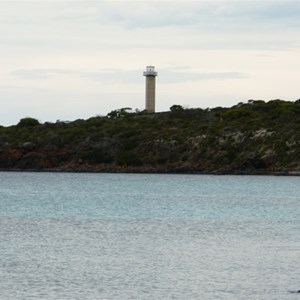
{"points": [[256, 137]]}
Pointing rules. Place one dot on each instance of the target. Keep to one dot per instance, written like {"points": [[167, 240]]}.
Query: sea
{"points": [[148, 236]]}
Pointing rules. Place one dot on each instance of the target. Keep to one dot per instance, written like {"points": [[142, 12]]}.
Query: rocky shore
{"points": [[256, 137]]}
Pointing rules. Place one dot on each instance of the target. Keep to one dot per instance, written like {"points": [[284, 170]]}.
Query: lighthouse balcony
{"points": [[150, 73]]}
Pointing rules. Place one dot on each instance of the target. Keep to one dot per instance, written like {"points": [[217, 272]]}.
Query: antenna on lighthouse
{"points": [[150, 75]]}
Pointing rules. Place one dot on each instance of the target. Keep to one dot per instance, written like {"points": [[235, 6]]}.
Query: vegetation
{"points": [[256, 137], [28, 122]]}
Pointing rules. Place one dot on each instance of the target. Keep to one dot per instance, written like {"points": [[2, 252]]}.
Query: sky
{"points": [[68, 60]]}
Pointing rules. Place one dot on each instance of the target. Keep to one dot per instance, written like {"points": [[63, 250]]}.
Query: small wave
{"points": [[295, 292]]}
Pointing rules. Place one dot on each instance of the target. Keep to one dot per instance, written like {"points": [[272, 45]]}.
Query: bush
{"points": [[28, 122], [176, 108]]}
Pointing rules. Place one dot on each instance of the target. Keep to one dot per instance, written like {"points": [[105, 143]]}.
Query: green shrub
{"points": [[28, 122]]}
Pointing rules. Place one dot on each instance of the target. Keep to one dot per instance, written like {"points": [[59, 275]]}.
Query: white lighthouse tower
{"points": [[150, 75]]}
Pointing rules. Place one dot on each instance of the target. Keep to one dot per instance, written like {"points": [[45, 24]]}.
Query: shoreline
{"points": [[158, 172], [254, 138]]}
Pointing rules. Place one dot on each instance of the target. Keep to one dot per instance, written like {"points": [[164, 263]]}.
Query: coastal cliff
{"points": [[256, 137]]}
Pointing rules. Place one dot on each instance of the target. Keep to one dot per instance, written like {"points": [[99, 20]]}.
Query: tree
{"points": [[28, 122], [176, 108], [119, 113]]}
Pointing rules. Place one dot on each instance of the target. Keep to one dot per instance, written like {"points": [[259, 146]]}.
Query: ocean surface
{"points": [[138, 236]]}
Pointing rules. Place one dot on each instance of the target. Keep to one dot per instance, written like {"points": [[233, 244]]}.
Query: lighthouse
{"points": [[150, 75]]}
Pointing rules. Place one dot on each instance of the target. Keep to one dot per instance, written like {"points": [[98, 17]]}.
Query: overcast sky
{"points": [[77, 59]]}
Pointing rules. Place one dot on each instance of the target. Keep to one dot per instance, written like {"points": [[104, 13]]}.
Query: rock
{"points": [[262, 133], [28, 146], [5, 146]]}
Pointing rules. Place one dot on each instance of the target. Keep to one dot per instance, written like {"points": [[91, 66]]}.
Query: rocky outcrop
{"points": [[252, 138]]}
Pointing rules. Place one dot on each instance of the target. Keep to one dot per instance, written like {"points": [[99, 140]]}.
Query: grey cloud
{"points": [[61, 26], [39, 74], [153, 14], [203, 13], [111, 76], [177, 77], [105, 75], [166, 76]]}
